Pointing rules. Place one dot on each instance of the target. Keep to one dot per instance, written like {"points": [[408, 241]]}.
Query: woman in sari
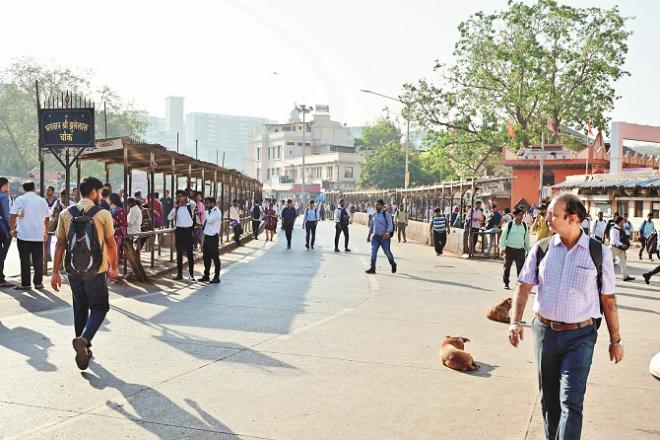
{"points": [[270, 222], [119, 222]]}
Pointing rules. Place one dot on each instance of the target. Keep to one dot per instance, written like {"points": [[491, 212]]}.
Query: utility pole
{"points": [[177, 141], [541, 167], [304, 109], [195, 148]]}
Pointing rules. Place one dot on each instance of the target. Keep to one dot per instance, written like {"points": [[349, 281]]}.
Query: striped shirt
{"points": [[439, 223]]}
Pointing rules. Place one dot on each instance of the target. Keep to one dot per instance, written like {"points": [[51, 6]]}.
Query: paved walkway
{"points": [[304, 345]]}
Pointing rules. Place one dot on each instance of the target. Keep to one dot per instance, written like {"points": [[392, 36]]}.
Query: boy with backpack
{"points": [[342, 220], [310, 220], [515, 244], [257, 216], [184, 219], [85, 232]]}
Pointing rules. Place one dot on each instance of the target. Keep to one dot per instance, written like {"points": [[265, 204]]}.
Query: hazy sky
{"points": [[221, 54]]}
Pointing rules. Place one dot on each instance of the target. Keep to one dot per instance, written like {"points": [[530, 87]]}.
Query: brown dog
{"points": [[500, 312], [453, 356]]}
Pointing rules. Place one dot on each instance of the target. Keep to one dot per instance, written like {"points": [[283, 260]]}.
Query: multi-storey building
{"points": [[217, 134], [331, 163]]}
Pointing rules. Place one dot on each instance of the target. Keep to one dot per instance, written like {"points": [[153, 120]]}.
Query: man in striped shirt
{"points": [[439, 230]]}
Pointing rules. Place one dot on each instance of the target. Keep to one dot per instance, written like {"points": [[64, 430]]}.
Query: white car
{"points": [[654, 366]]}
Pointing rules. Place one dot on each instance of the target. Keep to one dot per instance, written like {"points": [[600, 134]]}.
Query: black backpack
{"points": [[344, 219], [84, 254], [256, 213], [596, 252]]}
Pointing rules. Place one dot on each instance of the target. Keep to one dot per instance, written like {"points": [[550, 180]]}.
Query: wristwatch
{"points": [[619, 342]]}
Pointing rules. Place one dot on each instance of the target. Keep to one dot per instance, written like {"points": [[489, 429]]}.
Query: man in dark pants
{"points": [[183, 217], [439, 230], [310, 220], [257, 216], [342, 220], [29, 223], [382, 228], [515, 243], [5, 229], [566, 307], [289, 215], [211, 249], [90, 291]]}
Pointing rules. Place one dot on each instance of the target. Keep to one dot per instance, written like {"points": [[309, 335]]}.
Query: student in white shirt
{"points": [[211, 249], [32, 214], [183, 215], [235, 221], [619, 243], [309, 223], [134, 217], [598, 228]]}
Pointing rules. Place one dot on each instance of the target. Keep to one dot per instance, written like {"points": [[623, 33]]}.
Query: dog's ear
{"points": [[465, 339], [509, 300]]}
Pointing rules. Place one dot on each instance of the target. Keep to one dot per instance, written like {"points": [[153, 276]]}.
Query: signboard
{"points": [[309, 187], [66, 127], [322, 108]]}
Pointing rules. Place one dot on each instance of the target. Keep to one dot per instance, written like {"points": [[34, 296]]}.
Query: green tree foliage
{"points": [[18, 115], [522, 65], [383, 131]]}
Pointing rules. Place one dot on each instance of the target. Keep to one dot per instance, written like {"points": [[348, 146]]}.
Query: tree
{"points": [[18, 115], [522, 66], [385, 167], [383, 131]]}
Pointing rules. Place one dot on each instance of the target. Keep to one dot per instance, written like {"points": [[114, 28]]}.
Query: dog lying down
{"points": [[500, 312], [453, 356]]}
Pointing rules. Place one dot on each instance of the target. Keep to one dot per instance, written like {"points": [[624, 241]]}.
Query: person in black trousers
{"points": [[211, 249], [289, 215], [309, 223], [342, 220], [183, 216], [257, 216]]}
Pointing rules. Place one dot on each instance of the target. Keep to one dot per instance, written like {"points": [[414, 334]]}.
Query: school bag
{"points": [[596, 252], [84, 253]]}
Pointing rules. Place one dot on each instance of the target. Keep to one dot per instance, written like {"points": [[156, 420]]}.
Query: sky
{"points": [[259, 57]]}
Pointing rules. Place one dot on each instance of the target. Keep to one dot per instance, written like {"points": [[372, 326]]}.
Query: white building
{"points": [[331, 162], [217, 134]]}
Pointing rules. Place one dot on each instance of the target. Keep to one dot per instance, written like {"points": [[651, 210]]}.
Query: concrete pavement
{"points": [[298, 344]]}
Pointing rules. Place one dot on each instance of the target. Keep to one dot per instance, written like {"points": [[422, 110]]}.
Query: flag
{"points": [[510, 131], [550, 126]]}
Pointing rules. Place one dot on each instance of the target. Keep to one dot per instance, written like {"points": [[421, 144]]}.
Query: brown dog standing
{"points": [[453, 355], [500, 312]]}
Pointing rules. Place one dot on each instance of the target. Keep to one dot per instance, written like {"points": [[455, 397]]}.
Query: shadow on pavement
{"points": [[149, 408], [29, 343], [445, 282], [485, 370]]}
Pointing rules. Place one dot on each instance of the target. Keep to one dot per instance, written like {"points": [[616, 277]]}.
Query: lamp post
{"points": [[304, 110], [406, 178]]}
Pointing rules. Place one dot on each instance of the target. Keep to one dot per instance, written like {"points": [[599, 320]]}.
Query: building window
{"points": [[622, 207], [656, 210], [548, 178], [300, 144], [279, 152], [268, 173], [328, 172], [291, 143], [639, 208], [348, 172], [269, 153], [258, 153]]}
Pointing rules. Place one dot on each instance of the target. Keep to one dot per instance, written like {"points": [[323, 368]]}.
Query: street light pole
{"points": [[304, 109], [195, 148], [406, 177]]}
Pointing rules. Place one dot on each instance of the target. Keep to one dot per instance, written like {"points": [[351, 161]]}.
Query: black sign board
{"points": [[66, 127]]}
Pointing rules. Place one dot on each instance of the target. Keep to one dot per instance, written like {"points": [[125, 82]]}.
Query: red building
{"points": [[560, 162]]}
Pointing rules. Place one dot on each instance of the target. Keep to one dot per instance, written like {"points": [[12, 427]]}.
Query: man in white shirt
{"points": [[619, 243], [134, 217], [309, 223], [32, 214], [211, 249], [184, 220], [598, 228], [235, 221]]}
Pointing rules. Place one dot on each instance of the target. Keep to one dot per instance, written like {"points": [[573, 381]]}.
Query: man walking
{"points": [[184, 220], [257, 216], [598, 228], [439, 230], [540, 225], [90, 267], [211, 247], [166, 203], [310, 221], [619, 244], [5, 229], [576, 272], [382, 228], [342, 220], [32, 214], [474, 220], [493, 223], [289, 215], [401, 218], [515, 244], [645, 230]]}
